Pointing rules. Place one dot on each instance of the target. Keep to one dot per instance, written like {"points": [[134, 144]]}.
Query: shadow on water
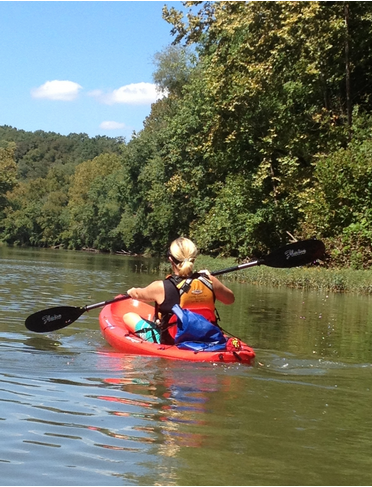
{"points": [[43, 343]]}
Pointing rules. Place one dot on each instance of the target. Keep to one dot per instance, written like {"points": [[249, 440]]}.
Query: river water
{"points": [[75, 412]]}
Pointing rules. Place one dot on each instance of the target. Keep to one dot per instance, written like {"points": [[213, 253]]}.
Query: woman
{"points": [[194, 291]]}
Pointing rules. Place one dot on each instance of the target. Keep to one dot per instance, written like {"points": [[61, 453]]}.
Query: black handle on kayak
{"points": [[292, 255]]}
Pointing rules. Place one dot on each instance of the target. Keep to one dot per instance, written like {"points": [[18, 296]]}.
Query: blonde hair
{"points": [[184, 252]]}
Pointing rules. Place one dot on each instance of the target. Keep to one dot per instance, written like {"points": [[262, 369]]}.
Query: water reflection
{"points": [[306, 323], [175, 401], [170, 401]]}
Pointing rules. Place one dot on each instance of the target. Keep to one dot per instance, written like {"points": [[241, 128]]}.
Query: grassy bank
{"points": [[315, 277], [310, 278]]}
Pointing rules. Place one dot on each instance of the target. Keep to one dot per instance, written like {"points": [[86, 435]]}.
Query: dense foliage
{"points": [[265, 133]]}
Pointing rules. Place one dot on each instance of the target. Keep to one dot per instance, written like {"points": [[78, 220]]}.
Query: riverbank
{"points": [[312, 277]]}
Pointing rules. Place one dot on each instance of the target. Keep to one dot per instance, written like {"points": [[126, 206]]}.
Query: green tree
{"points": [[173, 66], [20, 225], [36, 211], [8, 172], [87, 203], [339, 205]]}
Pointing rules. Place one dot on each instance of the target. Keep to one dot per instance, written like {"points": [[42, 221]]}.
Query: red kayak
{"points": [[120, 337]]}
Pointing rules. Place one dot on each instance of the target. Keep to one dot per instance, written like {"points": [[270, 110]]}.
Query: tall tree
{"points": [[173, 66], [8, 173], [273, 84]]}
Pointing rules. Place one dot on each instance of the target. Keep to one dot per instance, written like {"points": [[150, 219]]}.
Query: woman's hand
{"points": [[205, 271], [131, 292]]}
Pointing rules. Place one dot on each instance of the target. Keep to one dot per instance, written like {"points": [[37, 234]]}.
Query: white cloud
{"points": [[133, 94], [110, 125], [57, 90]]}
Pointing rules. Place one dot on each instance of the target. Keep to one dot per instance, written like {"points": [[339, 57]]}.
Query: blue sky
{"points": [[80, 67]]}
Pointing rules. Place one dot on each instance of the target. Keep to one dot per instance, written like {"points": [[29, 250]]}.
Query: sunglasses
{"points": [[176, 261]]}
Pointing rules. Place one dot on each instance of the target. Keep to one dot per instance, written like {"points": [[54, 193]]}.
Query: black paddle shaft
{"points": [[292, 255]]}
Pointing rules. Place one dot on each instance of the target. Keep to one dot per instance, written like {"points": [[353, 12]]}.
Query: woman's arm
{"points": [[222, 293], [152, 292]]}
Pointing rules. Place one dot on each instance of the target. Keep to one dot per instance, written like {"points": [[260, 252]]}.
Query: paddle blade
{"points": [[52, 319], [295, 254]]}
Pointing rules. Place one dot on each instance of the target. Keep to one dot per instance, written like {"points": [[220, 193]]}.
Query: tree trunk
{"points": [[347, 68]]}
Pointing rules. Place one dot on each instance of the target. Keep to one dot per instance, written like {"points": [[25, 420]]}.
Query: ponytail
{"points": [[183, 253]]}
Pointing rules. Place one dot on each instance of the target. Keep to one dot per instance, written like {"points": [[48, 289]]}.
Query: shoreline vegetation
{"points": [[312, 277]]}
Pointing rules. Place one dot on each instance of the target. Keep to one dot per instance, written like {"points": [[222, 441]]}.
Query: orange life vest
{"points": [[196, 294]]}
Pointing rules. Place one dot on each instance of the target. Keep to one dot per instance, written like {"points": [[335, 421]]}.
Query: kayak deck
{"points": [[119, 336]]}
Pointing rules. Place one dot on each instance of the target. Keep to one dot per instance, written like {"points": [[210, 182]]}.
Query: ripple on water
{"points": [[88, 426]]}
